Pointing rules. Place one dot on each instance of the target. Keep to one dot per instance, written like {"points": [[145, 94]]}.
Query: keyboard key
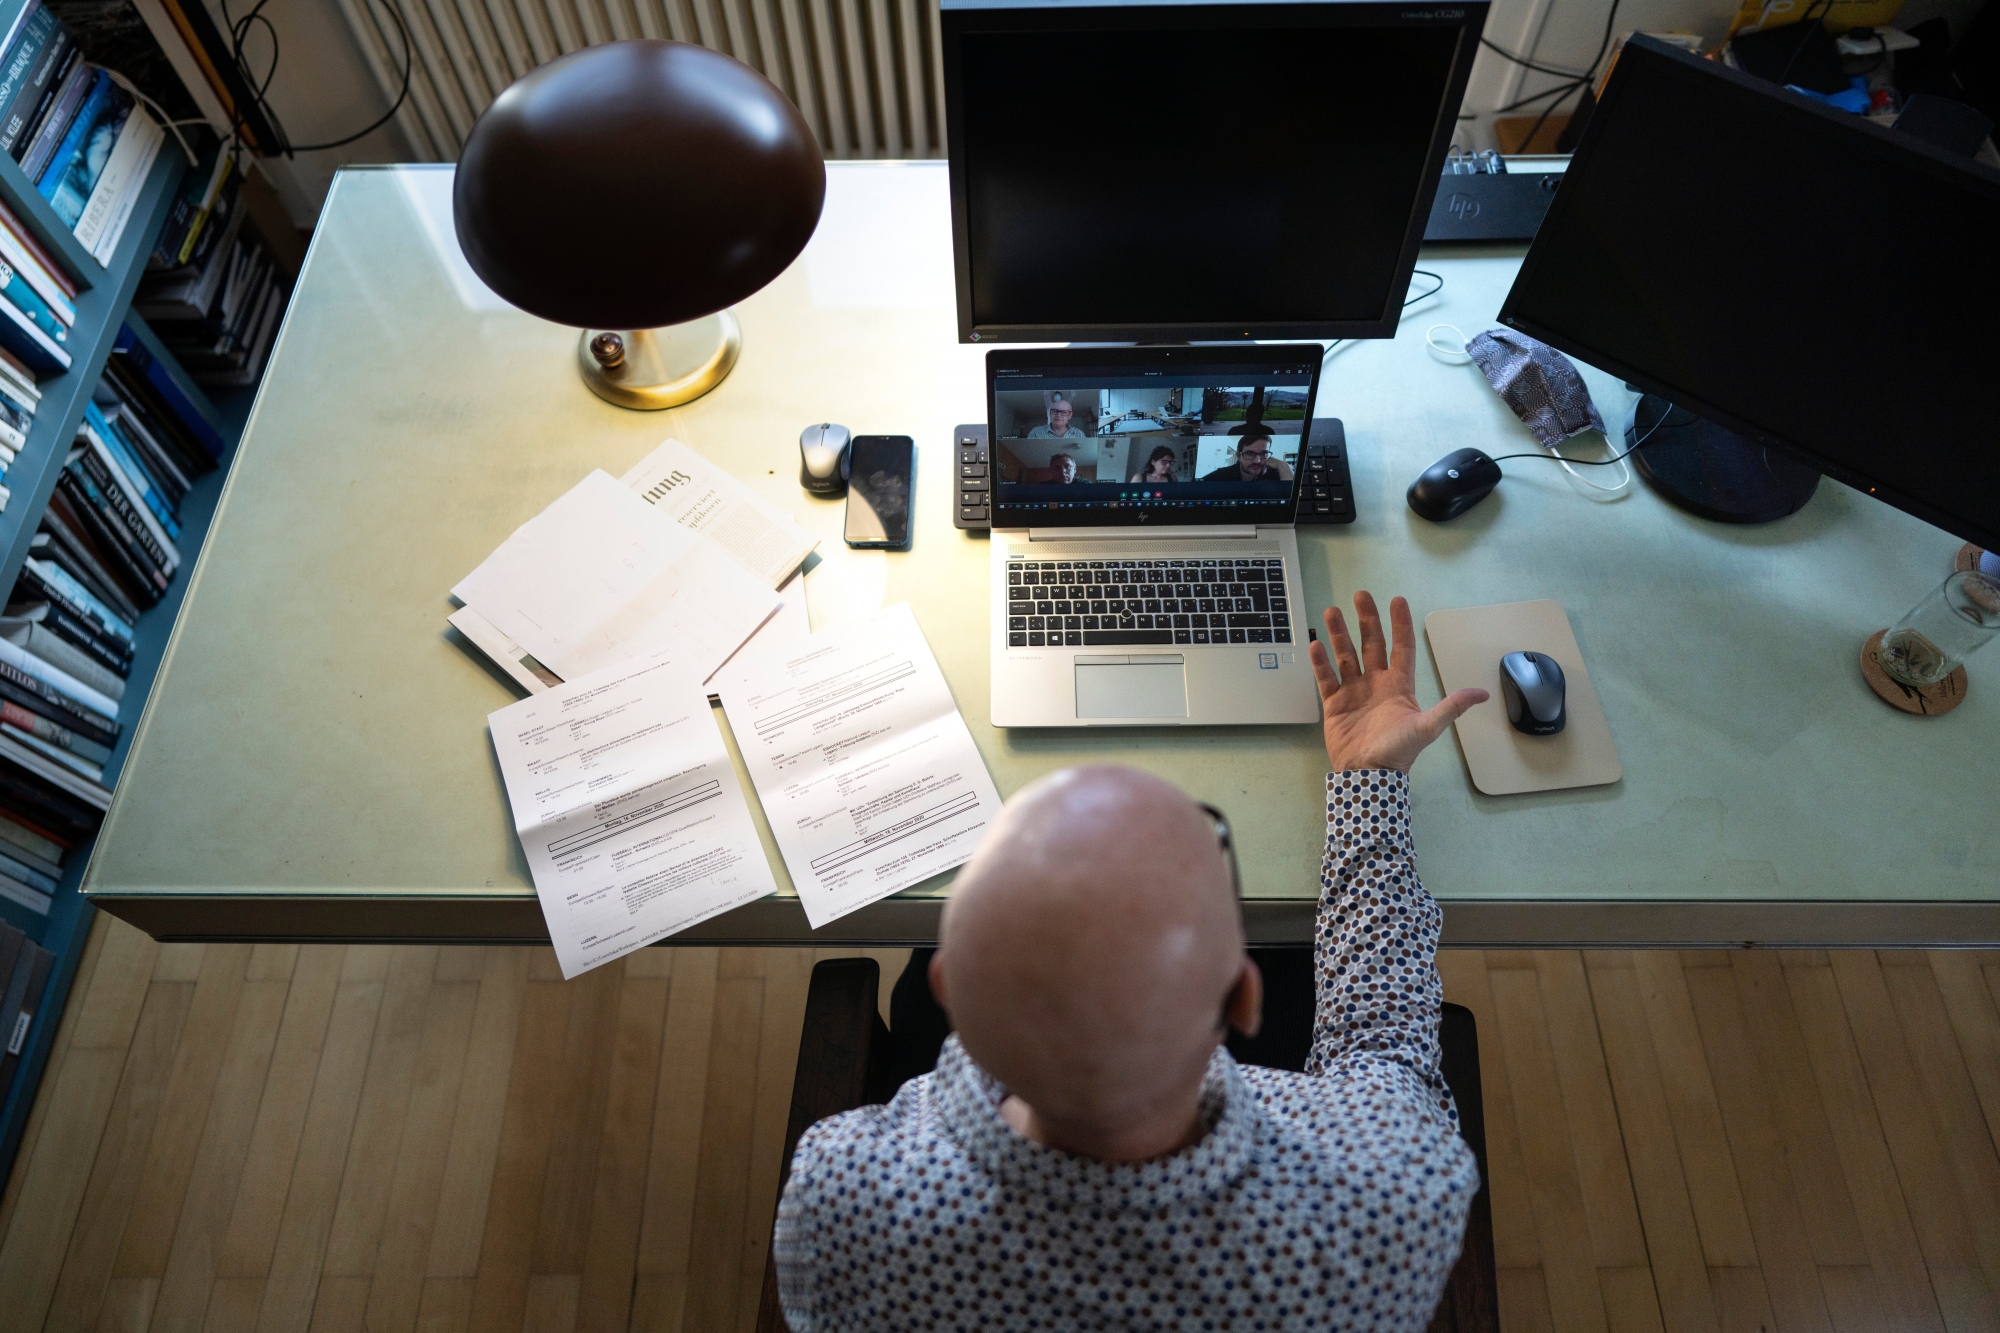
{"points": [[1235, 636], [1183, 636], [972, 469], [1281, 635], [1035, 639], [1014, 577], [1072, 639], [1072, 622], [1045, 608], [1035, 622], [1090, 622], [1121, 638], [1200, 635], [973, 514], [1017, 640], [1017, 622], [1145, 622], [1258, 635]]}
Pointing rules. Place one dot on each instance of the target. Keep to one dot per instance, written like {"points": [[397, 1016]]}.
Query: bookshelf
{"points": [[103, 303]]}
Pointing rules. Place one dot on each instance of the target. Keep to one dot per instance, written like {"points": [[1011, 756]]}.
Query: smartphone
{"points": [[880, 482]]}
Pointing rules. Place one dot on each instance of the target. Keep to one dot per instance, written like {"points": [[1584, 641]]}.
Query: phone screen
{"points": [[878, 490]]}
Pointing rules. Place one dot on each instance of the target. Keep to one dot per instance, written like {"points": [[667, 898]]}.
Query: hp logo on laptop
{"points": [[1462, 206]]}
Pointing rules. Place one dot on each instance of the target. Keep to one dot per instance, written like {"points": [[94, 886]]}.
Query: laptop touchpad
{"points": [[1135, 687]]}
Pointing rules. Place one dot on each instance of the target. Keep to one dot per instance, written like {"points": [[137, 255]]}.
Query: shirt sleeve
{"points": [[1378, 993]]}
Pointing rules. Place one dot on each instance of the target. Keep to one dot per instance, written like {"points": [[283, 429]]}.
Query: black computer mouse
{"points": [[1532, 685], [1453, 484]]}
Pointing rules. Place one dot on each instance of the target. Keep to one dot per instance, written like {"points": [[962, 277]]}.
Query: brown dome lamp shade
{"points": [[639, 189]]}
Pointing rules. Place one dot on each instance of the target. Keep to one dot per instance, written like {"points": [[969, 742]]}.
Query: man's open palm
{"points": [[1370, 702]]}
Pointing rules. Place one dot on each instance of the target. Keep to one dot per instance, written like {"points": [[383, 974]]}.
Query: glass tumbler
{"points": [[1943, 630]]}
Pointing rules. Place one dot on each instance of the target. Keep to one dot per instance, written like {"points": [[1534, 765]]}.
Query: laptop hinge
{"points": [[1217, 532]]}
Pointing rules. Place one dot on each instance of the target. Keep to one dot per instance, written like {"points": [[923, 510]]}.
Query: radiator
{"points": [[867, 74]]}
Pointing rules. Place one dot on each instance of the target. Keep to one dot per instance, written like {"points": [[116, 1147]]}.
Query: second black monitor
{"points": [[1212, 171]]}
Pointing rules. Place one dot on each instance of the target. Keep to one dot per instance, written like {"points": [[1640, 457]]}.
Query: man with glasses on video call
{"points": [[1060, 411], [1085, 1153], [1254, 460]]}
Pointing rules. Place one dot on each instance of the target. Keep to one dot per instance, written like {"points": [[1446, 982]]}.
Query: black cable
{"points": [[1525, 63], [1805, 37], [1421, 296], [240, 29], [1610, 20]]}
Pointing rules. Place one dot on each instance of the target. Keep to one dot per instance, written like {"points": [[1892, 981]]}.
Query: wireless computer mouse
{"points": [[1532, 685], [1453, 484], [823, 458]]}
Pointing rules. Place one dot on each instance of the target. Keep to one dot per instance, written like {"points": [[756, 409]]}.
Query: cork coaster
{"points": [[1967, 558], [1929, 701]]}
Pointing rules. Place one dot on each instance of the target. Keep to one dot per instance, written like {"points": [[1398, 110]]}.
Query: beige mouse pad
{"points": [[1467, 646]]}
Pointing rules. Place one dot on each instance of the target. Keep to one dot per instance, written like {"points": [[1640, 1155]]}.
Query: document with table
{"points": [[631, 816], [868, 776]]}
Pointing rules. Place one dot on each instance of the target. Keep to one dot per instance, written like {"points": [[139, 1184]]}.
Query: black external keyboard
{"points": [[1124, 603], [974, 509], [1324, 493]]}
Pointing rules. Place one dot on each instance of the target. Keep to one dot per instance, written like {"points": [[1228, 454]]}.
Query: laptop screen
{"points": [[1110, 436]]}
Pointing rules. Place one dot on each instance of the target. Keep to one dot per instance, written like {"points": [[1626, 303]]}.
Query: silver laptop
{"points": [[1144, 569]]}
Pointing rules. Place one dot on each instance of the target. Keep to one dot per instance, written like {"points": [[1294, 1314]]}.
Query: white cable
{"points": [[167, 122], [1446, 352], [1622, 466]]}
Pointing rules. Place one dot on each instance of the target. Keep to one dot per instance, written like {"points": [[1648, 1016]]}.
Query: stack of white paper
{"points": [[631, 816], [600, 577], [867, 773], [702, 497]]}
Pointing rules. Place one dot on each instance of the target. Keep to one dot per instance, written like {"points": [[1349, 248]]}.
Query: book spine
{"points": [[136, 480], [60, 711], [21, 839], [86, 769], [72, 143], [19, 335], [66, 781], [108, 529], [52, 648], [12, 654], [152, 137], [29, 787], [55, 123], [113, 475], [47, 97], [28, 873], [14, 15], [170, 394], [54, 733], [84, 549], [38, 901], [65, 592], [24, 53], [58, 542], [16, 288], [24, 97], [113, 179], [106, 651], [23, 809]]}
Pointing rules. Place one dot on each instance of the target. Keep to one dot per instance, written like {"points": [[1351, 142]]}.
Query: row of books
{"points": [[19, 397], [106, 550], [218, 309], [24, 979]]}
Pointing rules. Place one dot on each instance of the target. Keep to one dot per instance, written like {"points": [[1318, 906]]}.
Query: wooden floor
{"points": [[331, 1139]]}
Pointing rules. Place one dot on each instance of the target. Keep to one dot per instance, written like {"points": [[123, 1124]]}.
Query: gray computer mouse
{"points": [[1532, 685], [823, 458]]}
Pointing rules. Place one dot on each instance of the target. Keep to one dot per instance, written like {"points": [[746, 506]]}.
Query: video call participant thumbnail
{"points": [[1253, 461], [1060, 411]]}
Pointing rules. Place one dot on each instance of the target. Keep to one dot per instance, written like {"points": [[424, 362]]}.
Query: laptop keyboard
{"points": [[1124, 603]]}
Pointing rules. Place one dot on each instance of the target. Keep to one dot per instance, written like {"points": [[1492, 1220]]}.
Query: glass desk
{"points": [[314, 762]]}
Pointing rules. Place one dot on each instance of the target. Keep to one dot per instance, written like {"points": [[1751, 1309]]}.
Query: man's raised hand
{"points": [[1369, 697]]}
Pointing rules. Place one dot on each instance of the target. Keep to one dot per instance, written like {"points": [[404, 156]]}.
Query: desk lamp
{"points": [[638, 189]]}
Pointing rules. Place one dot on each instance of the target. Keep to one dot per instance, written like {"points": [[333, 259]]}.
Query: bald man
{"points": [[1086, 1155]]}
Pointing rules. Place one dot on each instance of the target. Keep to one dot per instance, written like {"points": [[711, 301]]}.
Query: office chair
{"points": [[843, 1063]]}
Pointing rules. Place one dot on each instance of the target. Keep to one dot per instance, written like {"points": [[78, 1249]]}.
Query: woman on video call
{"points": [[1159, 465]]}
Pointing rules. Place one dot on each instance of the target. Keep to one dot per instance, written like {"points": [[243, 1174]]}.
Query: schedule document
{"points": [[867, 773], [629, 811]]}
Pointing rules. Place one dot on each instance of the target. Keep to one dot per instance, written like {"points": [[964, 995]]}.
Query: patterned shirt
{"points": [[1332, 1199]]}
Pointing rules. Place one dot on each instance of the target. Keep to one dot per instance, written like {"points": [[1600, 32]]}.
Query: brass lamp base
{"points": [[655, 368]]}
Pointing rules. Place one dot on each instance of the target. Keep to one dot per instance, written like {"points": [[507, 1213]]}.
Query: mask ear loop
{"points": [[1452, 354]]}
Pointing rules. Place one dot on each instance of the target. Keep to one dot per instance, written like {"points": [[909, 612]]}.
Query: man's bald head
{"points": [[1091, 945]]}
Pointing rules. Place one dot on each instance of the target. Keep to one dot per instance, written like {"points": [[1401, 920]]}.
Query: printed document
{"points": [[631, 816], [600, 577], [698, 495], [867, 774]]}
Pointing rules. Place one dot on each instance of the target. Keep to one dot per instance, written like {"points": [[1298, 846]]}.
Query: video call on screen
{"points": [[1117, 441]]}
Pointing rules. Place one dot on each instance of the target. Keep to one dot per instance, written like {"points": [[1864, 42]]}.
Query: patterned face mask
{"points": [[1538, 383]]}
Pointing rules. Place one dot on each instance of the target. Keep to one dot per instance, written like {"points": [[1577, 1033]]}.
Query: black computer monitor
{"points": [[1796, 281], [1161, 171]]}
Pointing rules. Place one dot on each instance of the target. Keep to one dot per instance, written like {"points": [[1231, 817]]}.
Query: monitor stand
{"points": [[1712, 471]]}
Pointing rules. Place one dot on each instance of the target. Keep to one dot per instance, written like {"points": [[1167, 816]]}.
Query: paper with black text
{"points": [[867, 773], [631, 816], [601, 577], [697, 494]]}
